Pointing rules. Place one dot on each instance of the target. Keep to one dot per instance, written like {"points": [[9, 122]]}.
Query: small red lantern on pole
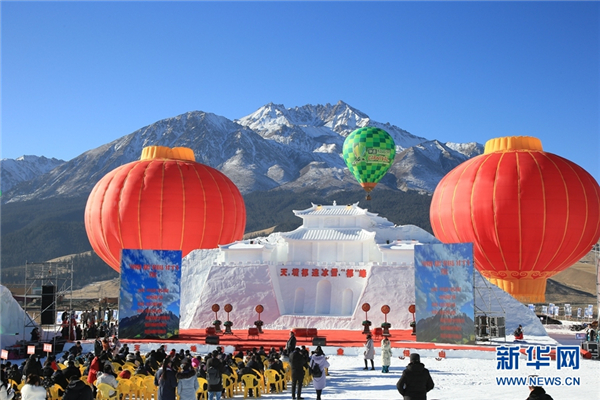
{"points": [[228, 324], [366, 323], [413, 324], [216, 322], [258, 323], [386, 325]]}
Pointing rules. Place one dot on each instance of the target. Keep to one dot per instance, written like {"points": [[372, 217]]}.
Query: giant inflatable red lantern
{"points": [[165, 201], [530, 214]]}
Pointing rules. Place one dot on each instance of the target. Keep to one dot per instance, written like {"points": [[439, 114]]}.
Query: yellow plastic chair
{"points": [[251, 382], [137, 380], [147, 389], [261, 380], [53, 392], [126, 388], [228, 384], [307, 377], [273, 377], [288, 371], [104, 392], [202, 392], [237, 384], [130, 366], [117, 367], [13, 384], [62, 366]]}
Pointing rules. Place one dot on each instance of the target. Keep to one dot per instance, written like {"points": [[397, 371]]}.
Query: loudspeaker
{"points": [[212, 340], [48, 305], [319, 341]]}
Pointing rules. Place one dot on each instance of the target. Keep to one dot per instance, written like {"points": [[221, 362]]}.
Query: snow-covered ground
{"points": [[461, 375]]}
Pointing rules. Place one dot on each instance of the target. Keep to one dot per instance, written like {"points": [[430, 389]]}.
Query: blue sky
{"points": [[76, 75]]}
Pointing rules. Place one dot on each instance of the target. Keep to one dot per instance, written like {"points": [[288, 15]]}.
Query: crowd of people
{"points": [[91, 323], [176, 372], [173, 372]]}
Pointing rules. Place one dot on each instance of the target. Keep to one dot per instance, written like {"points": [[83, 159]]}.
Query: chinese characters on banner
{"points": [[299, 272], [150, 293], [560, 357], [444, 293]]}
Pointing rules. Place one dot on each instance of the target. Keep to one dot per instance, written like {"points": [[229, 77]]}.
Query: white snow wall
{"points": [[246, 286], [12, 320]]}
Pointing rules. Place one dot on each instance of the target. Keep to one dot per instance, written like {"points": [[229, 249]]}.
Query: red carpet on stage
{"points": [[400, 338]]}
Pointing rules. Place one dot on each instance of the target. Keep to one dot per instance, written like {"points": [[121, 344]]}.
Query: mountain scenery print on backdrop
{"points": [[150, 294], [445, 310]]}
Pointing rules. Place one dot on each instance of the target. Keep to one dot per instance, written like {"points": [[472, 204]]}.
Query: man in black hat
{"points": [[415, 381]]}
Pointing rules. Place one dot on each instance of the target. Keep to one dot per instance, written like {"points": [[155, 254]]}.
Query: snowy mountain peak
{"points": [[24, 168], [292, 148]]}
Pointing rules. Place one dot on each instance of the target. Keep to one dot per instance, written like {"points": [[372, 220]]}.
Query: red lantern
{"points": [[530, 214], [165, 201]]}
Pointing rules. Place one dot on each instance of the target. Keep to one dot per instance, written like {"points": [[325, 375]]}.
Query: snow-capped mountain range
{"points": [[274, 147], [24, 169]]}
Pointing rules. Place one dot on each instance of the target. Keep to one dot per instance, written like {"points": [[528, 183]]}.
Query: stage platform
{"points": [[401, 339]]}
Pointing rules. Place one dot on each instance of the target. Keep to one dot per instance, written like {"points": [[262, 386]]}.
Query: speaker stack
{"points": [[48, 305], [212, 340]]}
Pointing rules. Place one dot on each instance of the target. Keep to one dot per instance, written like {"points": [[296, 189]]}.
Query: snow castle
{"points": [[318, 275]]}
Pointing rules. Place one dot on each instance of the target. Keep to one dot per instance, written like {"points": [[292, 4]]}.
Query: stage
{"points": [[400, 338]]}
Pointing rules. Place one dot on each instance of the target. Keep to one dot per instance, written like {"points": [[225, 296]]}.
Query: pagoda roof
{"points": [[333, 234], [333, 210]]}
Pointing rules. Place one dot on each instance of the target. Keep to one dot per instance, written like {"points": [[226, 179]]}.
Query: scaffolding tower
{"points": [[490, 318], [58, 274]]}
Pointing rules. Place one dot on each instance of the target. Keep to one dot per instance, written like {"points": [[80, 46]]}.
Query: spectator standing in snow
{"points": [[369, 352], [386, 355], [415, 381], [290, 346], [318, 358]]}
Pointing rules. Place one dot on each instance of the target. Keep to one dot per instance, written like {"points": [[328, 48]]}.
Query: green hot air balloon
{"points": [[369, 152]]}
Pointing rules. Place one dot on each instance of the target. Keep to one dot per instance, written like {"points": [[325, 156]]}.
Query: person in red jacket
{"points": [[93, 372]]}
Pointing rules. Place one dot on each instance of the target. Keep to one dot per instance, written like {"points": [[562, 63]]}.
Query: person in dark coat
{"points": [[15, 374], [166, 380], [254, 364], [59, 378], [32, 366], [297, 362], [71, 370], [538, 393], [415, 381], [290, 346], [78, 390], [97, 346]]}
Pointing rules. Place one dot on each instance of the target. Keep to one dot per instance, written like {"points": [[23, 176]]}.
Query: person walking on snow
{"points": [[369, 352]]}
